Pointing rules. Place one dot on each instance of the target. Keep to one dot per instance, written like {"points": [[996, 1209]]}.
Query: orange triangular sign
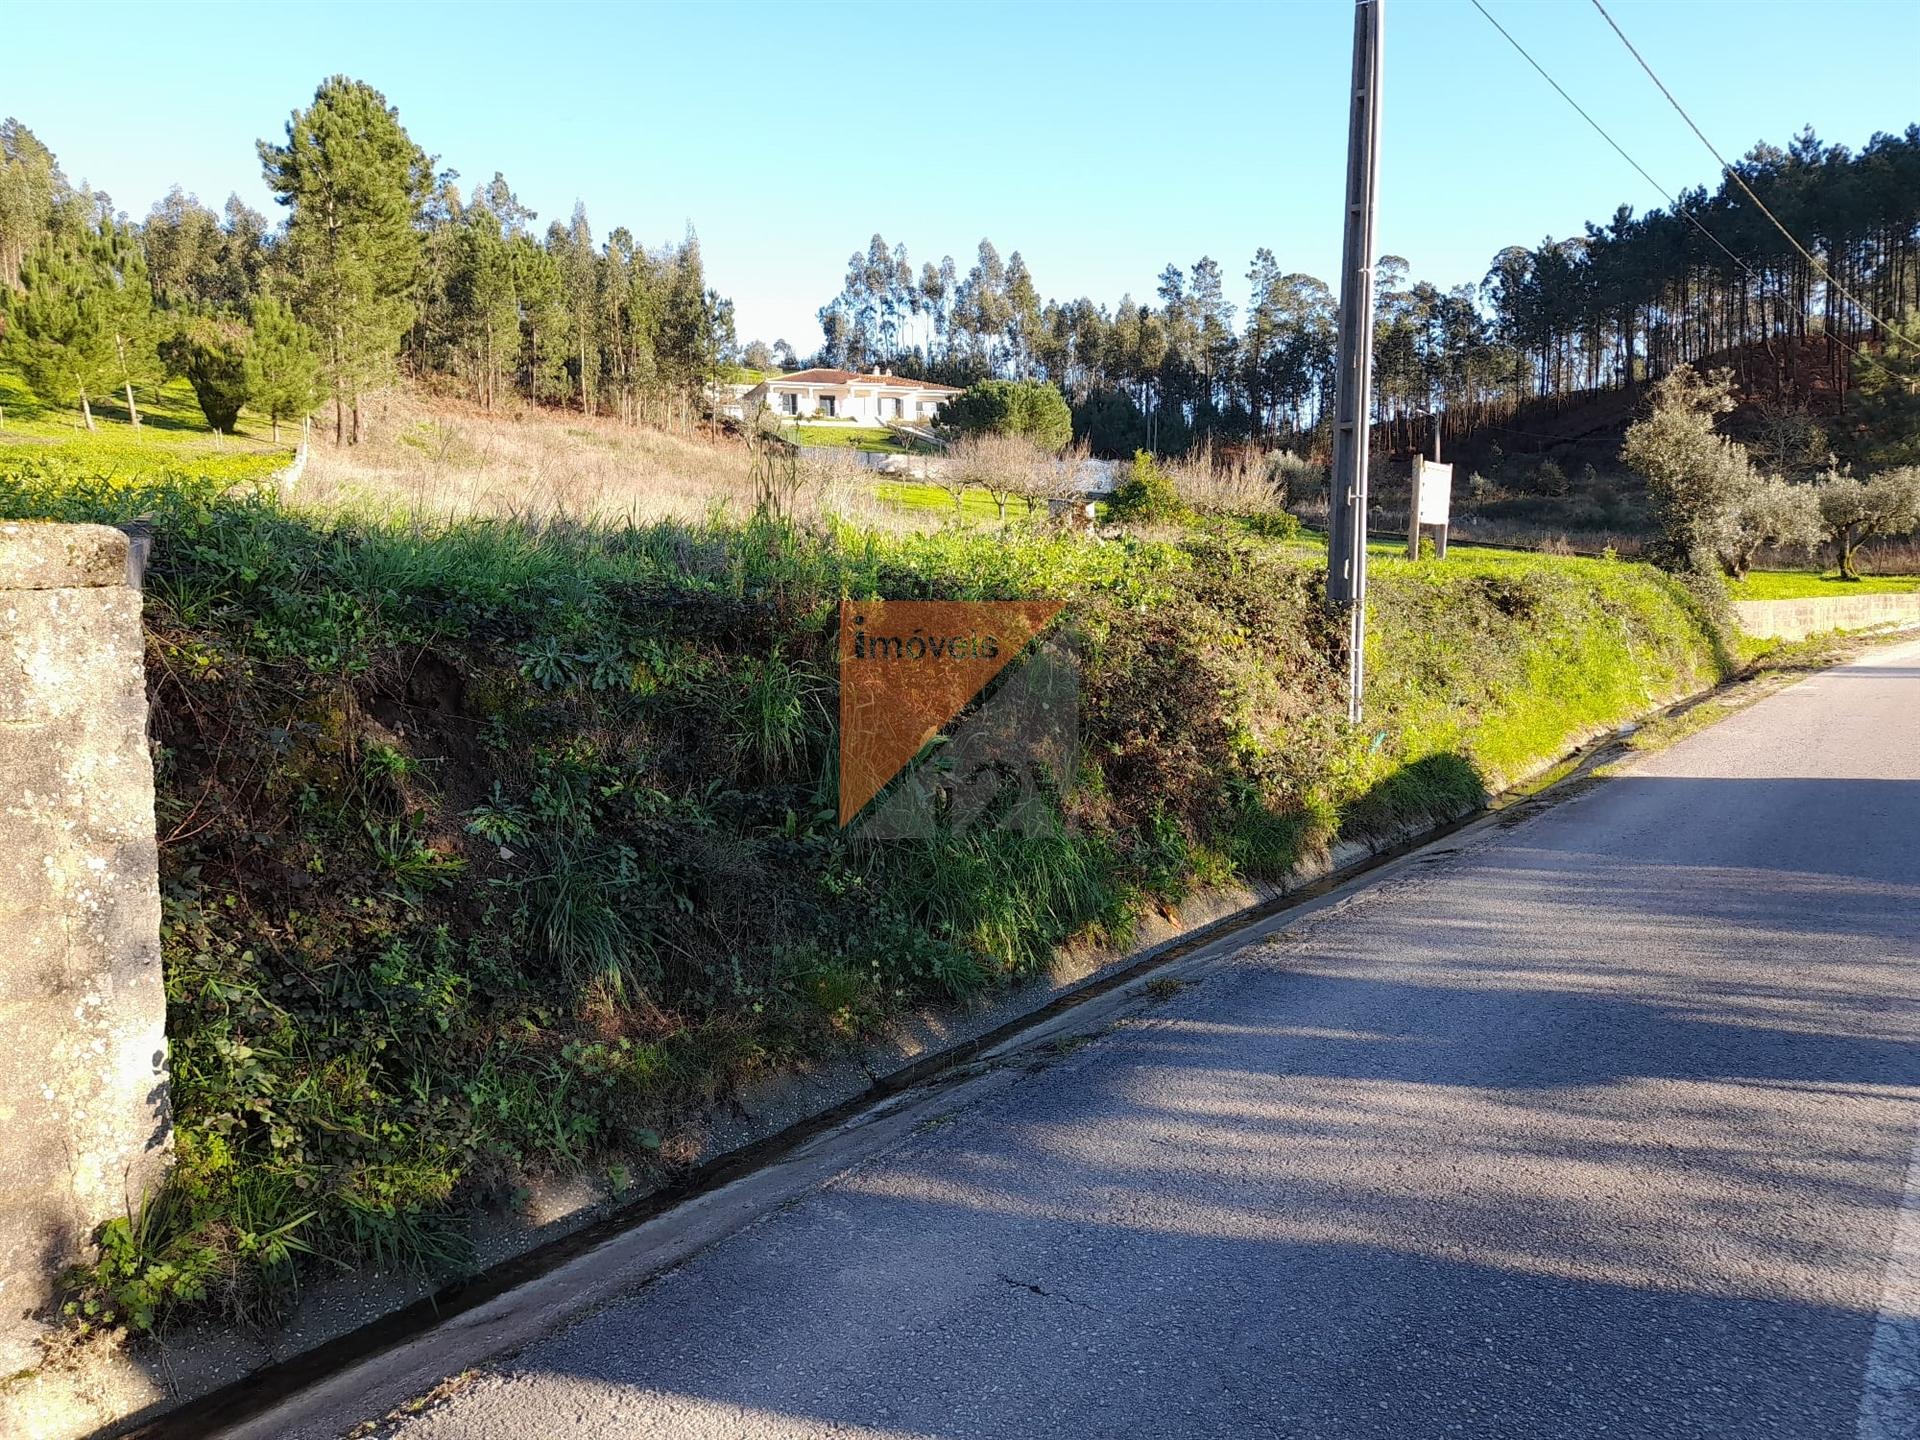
{"points": [[907, 667]]}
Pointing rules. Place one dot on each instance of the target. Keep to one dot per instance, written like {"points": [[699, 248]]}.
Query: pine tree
{"points": [[355, 184], [283, 371], [120, 270], [212, 353], [59, 333]]}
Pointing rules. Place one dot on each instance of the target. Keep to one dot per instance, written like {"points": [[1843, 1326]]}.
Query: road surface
{"points": [[1598, 1125]]}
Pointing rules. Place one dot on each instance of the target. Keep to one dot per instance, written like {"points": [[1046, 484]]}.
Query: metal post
{"points": [[1413, 510], [1347, 527]]}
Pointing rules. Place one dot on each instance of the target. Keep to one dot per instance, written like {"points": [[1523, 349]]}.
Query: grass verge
{"points": [[496, 849]]}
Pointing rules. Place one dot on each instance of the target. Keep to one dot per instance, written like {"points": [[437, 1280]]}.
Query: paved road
{"points": [[1598, 1126]]}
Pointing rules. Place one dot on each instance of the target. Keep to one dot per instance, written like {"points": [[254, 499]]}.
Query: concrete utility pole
{"points": [[1347, 519]]}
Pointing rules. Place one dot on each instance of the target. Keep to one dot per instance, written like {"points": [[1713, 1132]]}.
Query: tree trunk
{"points": [[276, 427], [358, 432], [133, 412], [86, 410]]}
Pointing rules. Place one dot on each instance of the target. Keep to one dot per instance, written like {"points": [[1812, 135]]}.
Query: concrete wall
{"points": [[83, 1077], [1797, 619]]}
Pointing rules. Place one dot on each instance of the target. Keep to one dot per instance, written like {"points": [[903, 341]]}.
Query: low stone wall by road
{"points": [[1797, 619], [83, 1077]]}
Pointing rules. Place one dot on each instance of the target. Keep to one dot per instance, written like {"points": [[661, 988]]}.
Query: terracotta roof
{"points": [[822, 376]]}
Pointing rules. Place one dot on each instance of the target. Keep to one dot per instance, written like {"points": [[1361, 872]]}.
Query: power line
{"points": [[1600, 130], [1737, 177], [1672, 200]]}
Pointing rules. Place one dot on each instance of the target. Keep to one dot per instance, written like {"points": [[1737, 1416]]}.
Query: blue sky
{"points": [[1100, 140]]}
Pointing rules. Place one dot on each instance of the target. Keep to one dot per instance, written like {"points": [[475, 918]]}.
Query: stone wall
{"points": [[1797, 619], [83, 1078]]}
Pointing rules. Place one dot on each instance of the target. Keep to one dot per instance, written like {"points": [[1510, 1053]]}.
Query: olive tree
{"points": [[1704, 488], [1772, 512], [1854, 510]]}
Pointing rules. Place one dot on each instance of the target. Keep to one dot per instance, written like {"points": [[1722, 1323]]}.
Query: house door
{"points": [[826, 405]]}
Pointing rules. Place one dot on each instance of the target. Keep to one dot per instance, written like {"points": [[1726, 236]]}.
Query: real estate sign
{"points": [[1436, 492], [1432, 505]]}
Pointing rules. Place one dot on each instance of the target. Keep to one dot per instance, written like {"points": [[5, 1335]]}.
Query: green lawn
{"points": [[924, 495], [1314, 543], [169, 415], [1812, 585], [875, 438]]}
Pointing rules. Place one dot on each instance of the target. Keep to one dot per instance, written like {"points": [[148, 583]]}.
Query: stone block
{"points": [[84, 1127]]}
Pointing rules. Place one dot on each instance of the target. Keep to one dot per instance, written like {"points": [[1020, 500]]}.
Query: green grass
{"points": [[875, 439], [975, 505], [169, 414], [1814, 584], [494, 851]]}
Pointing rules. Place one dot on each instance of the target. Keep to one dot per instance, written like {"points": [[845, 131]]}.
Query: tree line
{"points": [[382, 266], [1621, 304]]}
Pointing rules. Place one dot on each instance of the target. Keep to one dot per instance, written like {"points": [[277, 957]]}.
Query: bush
{"points": [[1276, 524], [1147, 495], [212, 354], [1028, 408]]}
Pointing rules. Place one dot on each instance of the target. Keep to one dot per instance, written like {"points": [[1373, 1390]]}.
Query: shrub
{"points": [[1147, 495], [212, 354], [1029, 408]]}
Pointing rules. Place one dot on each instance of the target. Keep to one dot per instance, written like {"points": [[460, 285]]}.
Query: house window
{"points": [[896, 407], [826, 405], [791, 403]]}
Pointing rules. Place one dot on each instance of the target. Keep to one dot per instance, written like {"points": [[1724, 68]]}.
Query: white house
{"points": [[849, 396]]}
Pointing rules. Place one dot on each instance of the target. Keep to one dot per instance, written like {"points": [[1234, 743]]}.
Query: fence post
{"points": [[84, 1125]]}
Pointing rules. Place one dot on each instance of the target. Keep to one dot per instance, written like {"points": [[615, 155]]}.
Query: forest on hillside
{"points": [[382, 265], [1709, 281]]}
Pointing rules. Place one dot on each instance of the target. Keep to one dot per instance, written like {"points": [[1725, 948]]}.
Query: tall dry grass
{"points": [[425, 460], [1238, 480]]}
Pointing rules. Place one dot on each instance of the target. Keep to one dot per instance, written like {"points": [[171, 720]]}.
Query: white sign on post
{"points": [[1436, 492]]}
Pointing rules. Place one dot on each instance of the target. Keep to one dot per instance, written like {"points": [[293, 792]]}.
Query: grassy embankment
{"points": [[493, 848]]}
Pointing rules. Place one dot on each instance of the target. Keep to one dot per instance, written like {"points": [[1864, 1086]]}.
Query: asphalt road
{"points": [[1599, 1125]]}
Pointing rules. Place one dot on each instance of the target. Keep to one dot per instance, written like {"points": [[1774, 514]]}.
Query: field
{"points": [[169, 414], [496, 768], [1813, 584]]}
